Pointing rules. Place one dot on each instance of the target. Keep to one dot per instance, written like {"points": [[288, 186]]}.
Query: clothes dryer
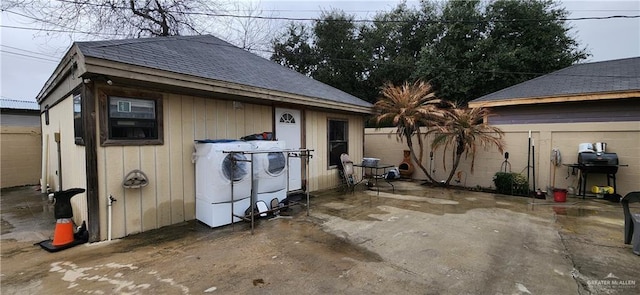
{"points": [[270, 170], [216, 170]]}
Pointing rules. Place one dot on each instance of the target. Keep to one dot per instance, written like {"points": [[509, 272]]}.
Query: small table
{"points": [[375, 174]]}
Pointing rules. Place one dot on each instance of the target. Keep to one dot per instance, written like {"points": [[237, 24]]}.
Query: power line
{"points": [[28, 51], [75, 31], [377, 63], [358, 20], [63, 30], [30, 56]]}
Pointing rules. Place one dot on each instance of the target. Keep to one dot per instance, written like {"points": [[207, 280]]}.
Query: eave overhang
{"points": [[556, 99]]}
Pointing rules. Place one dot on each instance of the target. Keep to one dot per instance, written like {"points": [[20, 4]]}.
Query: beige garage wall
{"points": [[170, 196], [20, 155], [622, 138], [321, 175], [72, 156]]}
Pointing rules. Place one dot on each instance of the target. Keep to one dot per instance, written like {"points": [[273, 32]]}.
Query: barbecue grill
{"points": [[603, 163], [596, 163]]}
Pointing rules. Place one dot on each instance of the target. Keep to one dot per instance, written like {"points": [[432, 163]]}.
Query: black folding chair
{"points": [[631, 222]]}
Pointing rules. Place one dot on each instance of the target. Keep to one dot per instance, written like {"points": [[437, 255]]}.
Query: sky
{"points": [[28, 57]]}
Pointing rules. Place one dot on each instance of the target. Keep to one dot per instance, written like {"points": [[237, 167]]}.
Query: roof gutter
{"points": [[555, 99], [101, 67]]}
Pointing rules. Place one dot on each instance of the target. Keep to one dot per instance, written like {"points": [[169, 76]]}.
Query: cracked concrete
{"points": [[418, 240]]}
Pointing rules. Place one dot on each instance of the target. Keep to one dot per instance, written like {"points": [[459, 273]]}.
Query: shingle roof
{"points": [[597, 77], [18, 104], [212, 58]]}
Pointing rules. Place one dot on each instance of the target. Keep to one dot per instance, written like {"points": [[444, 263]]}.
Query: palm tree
{"points": [[463, 129], [409, 107]]}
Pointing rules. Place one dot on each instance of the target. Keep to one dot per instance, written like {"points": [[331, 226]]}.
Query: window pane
{"points": [[78, 130], [337, 130], [338, 143], [120, 107], [336, 149], [131, 118]]}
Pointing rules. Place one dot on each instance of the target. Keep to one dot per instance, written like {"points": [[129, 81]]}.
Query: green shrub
{"points": [[511, 184]]}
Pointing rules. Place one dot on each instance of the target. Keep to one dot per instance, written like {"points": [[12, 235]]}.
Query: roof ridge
{"points": [[120, 42]]}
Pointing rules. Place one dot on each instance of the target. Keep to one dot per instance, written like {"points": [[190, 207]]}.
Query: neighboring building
{"points": [[583, 103], [20, 143], [185, 88]]}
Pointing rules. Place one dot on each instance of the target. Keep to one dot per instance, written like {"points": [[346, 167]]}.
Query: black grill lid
{"points": [[599, 159], [598, 162]]}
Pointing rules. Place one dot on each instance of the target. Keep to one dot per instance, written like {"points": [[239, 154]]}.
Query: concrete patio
{"points": [[418, 240]]}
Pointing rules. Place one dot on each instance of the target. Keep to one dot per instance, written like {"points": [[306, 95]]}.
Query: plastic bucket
{"points": [[560, 195]]}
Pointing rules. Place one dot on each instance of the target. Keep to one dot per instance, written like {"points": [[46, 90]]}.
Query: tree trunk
{"points": [[417, 161], [456, 162]]}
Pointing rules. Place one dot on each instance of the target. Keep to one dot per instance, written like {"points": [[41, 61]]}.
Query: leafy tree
{"points": [[331, 52], [481, 50], [463, 130], [539, 43], [392, 44], [294, 49], [409, 107], [338, 51], [358, 59], [448, 62]]}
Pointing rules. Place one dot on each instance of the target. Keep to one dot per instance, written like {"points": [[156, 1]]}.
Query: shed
{"points": [[186, 88], [21, 143]]}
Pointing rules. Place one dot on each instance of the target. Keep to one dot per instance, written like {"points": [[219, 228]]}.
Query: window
{"points": [[131, 119], [78, 124], [338, 140], [287, 118]]}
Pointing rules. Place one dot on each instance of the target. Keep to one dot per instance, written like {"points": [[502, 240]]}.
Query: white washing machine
{"points": [[269, 171], [214, 173]]}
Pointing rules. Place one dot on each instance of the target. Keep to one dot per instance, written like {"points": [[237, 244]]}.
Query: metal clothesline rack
{"points": [[305, 154]]}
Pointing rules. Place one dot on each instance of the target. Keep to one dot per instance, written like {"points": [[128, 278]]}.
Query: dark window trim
{"points": [[46, 115], [329, 166], [136, 94]]}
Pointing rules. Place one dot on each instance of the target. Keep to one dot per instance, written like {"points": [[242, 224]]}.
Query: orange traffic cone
{"points": [[63, 234]]}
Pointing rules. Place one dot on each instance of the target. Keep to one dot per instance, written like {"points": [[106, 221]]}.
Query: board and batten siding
{"points": [[169, 197], [72, 156], [321, 176]]}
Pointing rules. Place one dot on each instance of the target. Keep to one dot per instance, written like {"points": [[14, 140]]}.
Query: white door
{"points": [[289, 130]]}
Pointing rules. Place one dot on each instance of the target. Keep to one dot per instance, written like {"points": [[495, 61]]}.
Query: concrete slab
{"points": [[419, 240]]}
